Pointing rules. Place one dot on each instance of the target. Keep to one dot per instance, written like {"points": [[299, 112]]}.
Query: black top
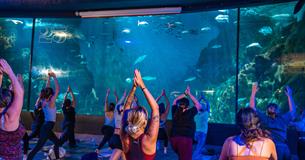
{"points": [[183, 122], [69, 114]]}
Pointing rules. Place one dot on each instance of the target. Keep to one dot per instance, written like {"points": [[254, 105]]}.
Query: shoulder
{"points": [[268, 140], [230, 139]]}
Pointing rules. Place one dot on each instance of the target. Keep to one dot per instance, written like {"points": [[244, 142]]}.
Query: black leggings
{"points": [[107, 132], [301, 149], [26, 138], [162, 135], [45, 134], [68, 134]]}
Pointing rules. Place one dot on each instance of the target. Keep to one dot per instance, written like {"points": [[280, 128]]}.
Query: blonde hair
{"points": [[137, 120]]}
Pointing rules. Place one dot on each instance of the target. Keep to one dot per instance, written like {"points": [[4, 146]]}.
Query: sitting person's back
{"points": [[252, 144], [236, 149]]}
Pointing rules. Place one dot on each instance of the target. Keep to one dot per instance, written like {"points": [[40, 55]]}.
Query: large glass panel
{"points": [[272, 53], [15, 44], [171, 51]]}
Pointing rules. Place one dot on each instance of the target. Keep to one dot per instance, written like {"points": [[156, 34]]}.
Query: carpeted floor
{"points": [[88, 143]]}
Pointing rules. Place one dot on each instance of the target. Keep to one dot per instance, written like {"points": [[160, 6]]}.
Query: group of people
{"points": [[133, 134], [264, 136]]}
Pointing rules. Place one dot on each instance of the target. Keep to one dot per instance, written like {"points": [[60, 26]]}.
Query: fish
{"points": [[128, 80], [178, 22], [142, 23], [126, 31], [190, 79], [185, 32], [175, 92], [216, 46], [149, 78], [94, 94], [265, 30], [83, 62], [256, 44], [29, 25], [205, 29], [225, 11], [128, 42], [140, 59], [222, 18], [62, 34], [80, 56], [208, 91], [283, 16], [15, 21], [241, 99]]}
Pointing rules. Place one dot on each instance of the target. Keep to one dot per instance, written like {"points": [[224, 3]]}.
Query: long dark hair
{"points": [[249, 123]]}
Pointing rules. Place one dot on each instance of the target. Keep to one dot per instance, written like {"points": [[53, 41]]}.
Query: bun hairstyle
{"points": [[137, 120], [249, 123], [6, 97]]}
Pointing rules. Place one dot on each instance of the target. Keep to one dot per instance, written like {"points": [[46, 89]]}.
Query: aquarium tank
{"points": [[199, 49]]}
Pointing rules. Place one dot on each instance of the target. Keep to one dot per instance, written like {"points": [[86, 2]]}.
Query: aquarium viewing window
{"points": [[218, 53]]}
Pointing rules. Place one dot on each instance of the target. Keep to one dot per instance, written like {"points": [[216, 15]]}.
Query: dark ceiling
{"points": [[66, 8]]}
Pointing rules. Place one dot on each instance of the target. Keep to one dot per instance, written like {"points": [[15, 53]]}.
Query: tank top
{"points": [[248, 157], [49, 113], [135, 151], [117, 117], [109, 121], [10, 142], [69, 114]]}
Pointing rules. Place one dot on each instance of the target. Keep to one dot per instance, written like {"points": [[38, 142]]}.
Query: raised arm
{"points": [[291, 103], [73, 97], [122, 98], [159, 97], [13, 112], [66, 95], [155, 117], [167, 104], [130, 97], [106, 101], [57, 88], [48, 81], [116, 97], [1, 77], [193, 98], [253, 94]]}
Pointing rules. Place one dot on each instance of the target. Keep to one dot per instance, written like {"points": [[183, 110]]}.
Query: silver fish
{"points": [[140, 59], [190, 79], [149, 78]]}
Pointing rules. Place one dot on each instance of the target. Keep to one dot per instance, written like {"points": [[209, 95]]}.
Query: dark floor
{"points": [[88, 143]]}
